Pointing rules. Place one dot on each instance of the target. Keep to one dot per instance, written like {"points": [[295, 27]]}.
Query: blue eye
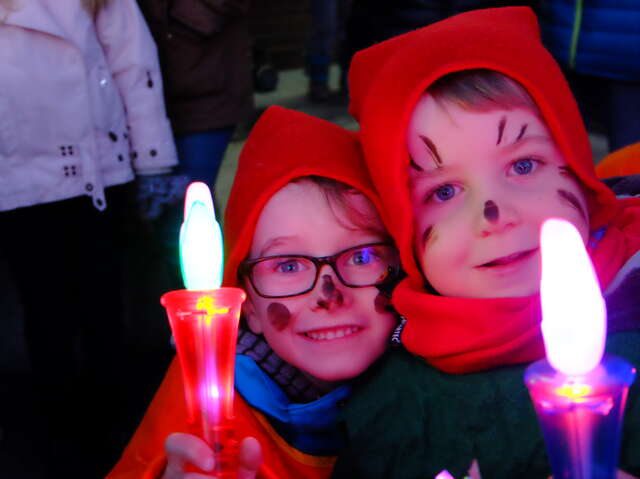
{"points": [[524, 166], [362, 257], [444, 193], [290, 266]]}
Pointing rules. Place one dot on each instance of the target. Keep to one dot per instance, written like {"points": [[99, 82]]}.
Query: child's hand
{"points": [[185, 449], [156, 193]]}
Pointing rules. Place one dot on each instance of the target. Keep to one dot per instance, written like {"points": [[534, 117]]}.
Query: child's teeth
{"points": [[332, 334]]}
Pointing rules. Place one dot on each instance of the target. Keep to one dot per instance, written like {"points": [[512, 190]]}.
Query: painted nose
{"points": [[495, 218], [329, 294]]}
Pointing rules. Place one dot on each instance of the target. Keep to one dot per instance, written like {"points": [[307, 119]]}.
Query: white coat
{"points": [[81, 103]]}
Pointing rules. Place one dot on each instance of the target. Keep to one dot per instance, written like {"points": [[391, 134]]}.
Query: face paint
{"points": [[415, 165], [573, 201], [382, 303], [491, 211], [426, 236], [329, 292], [521, 134], [501, 125], [279, 315], [565, 171], [434, 151]]}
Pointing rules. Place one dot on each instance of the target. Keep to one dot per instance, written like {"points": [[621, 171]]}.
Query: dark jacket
{"points": [[373, 21], [594, 37], [205, 55], [411, 421]]}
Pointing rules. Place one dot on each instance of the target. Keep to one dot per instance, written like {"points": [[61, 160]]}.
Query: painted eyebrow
{"points": [[501, 125], [414, 165], [521, 134], [432, 148]]}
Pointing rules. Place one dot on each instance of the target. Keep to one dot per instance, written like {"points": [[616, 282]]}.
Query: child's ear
{"points": [[251, 316]]}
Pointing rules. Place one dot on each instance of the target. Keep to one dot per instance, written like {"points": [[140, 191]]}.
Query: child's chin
{"points": [[518, 292], [339, 374]]}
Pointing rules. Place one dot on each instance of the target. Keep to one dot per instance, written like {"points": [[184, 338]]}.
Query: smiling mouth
{"points": [[331, 333], [508, 260]]}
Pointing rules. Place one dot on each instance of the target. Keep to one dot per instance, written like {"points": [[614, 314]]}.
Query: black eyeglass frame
{"points": [[245, 268]]}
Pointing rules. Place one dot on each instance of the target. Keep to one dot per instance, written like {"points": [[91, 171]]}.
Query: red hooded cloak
{"points": [[283, 145], [468, 334]]}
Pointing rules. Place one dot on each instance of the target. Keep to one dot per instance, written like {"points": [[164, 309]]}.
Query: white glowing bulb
{"points": [[200, 241], [574, 315]]}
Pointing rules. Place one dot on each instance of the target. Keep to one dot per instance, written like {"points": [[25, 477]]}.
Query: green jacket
{"points": [[408, 420]]}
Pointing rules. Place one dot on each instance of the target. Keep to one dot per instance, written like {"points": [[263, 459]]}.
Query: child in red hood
{"points": [[473, 138], [304, 240]]}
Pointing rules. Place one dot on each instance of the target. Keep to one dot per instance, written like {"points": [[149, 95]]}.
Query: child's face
{"points": [[332, 332], [481, 185]]}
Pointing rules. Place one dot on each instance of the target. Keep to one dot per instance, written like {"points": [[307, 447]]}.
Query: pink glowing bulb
{"points": [[444, 475], [573, 311]]}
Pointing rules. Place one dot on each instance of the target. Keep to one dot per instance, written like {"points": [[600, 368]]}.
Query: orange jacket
{"points": [[622, 162], [144, 457]]}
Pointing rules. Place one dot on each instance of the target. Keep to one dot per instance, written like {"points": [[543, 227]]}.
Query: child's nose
{"points": [[328, 292], [494, 217]]}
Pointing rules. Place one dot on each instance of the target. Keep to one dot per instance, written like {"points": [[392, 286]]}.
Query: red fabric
{"points": [[455, 334], [283, 145]]}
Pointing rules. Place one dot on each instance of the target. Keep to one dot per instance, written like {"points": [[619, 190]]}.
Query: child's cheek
{"points": [[572, 200], [279, 316], [381, 303]]}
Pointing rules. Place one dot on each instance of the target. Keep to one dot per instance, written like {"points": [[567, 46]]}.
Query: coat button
{"points": [[88, 187], [103, 82], [169, 36], [113, 136]]}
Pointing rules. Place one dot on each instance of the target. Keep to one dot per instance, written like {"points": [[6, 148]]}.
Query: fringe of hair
{"points": [[482, 90]]}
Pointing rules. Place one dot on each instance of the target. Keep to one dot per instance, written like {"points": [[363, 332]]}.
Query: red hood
{"points": [[284, 145], [385, 82]]}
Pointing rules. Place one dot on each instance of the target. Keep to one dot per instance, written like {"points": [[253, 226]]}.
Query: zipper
{"points": [[575, 34]]}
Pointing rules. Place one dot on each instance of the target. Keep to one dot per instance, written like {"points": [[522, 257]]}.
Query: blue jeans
{"points": [[201, 154], [324, 31]]}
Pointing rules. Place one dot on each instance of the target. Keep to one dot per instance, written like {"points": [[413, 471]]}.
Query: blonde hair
{"points": [[339, 197], [481, 90]]}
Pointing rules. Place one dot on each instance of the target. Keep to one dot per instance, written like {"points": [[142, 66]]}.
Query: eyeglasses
{"points": [[282, 276]]}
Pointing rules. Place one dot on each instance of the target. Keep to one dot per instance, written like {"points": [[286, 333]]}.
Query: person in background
{"points": [[303, 238], [205, 56], [373, 21], [597, 43], [81, 115], [326, 42]]}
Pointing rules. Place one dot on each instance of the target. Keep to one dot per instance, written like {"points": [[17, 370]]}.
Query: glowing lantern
{"points": [[204, 321]]}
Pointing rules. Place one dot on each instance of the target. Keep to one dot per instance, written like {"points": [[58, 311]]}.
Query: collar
{"points": [[310, 427]]}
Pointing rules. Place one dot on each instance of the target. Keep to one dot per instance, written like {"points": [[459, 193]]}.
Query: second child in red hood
{"points": [[473, 139]]}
